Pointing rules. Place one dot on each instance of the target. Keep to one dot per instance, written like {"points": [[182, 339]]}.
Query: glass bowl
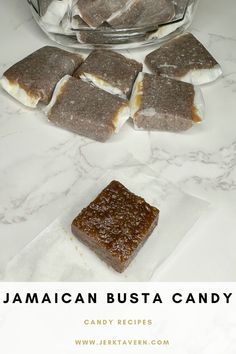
{"points": [[117, 24]]}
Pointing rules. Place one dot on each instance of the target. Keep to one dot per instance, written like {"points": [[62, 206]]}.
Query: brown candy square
{"points": [[186, 59], [110, 71], [160, 103], [86, 110], [95, 12], [34, 78], [116, 225], [143, 13]]}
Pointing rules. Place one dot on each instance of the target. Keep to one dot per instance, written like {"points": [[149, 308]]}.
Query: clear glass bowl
{"points": [[112, 23]]}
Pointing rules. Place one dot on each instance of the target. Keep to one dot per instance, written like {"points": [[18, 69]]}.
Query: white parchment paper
{"points": [[56, 255]]}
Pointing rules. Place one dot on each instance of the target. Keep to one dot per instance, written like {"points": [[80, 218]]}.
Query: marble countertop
{"points": [[39, 164]]}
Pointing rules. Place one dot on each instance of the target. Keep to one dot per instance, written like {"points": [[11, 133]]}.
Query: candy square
{"points": [[186, 59], [33, 79], [95, 12], [86, 110], [110, 71], [143, 12], [116, 225], [159, 103]]}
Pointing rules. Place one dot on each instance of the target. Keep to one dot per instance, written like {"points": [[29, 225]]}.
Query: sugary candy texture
{"points": [[116, 225], [86, 110]]}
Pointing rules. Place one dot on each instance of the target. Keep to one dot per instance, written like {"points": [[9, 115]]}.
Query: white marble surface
{"points": [[39, 164]]}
